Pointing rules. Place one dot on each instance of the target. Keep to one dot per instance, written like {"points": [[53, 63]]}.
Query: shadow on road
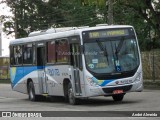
{"points": [[91, 102]]}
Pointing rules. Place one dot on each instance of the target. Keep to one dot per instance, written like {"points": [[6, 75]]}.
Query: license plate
{"points": [[117, 91]]}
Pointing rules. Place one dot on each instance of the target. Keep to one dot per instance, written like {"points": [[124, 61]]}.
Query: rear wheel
{"points": [[118, 97], [71, 98]]}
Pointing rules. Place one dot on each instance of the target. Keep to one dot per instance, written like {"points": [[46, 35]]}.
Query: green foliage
{"points": [[76, 14], [93, 2], [143, 15], [31, 15], [39, 15]]}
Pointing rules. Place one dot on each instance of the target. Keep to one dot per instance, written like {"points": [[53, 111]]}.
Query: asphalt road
{"points": [[148, 100]]}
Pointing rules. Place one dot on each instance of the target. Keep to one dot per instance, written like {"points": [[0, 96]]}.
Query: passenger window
{"points": [[27, 54], [18, 55], [51, 52], [12, 60], [62, 51], [34, 54]]}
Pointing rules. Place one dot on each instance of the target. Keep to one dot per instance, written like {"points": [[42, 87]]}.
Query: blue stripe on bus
{"points": [[17, 73], [105, 82]]}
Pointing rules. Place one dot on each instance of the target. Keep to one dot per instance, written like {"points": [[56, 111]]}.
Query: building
{"points": [[4, 67]]}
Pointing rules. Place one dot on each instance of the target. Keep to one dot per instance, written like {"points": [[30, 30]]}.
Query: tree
{"points": [[31, 15], [144, 15], [38, 15], [78, 14]]}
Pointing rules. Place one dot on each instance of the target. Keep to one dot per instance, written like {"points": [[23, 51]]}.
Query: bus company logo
{"points": [[6, 114]]}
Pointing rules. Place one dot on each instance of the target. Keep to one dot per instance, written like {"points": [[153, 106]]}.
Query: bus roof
{"points": [[61, 34]]}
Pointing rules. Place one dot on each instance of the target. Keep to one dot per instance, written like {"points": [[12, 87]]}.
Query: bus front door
{"points": [[76, 72], [41, 69]]}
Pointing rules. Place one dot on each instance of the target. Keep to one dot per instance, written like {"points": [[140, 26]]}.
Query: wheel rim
{"points": [[71, 96]]}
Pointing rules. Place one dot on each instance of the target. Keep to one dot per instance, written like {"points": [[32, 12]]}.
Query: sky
{"points": [[4, 10]]}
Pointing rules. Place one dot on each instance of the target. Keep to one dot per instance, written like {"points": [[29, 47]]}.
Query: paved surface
{"points": [[148, 100]]}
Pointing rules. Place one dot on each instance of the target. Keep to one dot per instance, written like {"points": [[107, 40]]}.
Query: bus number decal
{"points": [[54, 72]]}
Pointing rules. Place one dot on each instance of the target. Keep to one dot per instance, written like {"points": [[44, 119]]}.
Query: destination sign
{"points": [[108, 33]]}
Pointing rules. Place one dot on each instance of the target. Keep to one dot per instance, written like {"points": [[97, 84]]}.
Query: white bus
{"points": [[77, 63]]}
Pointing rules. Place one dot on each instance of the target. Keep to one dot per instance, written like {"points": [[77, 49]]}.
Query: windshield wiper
{"points": [[104, 49], [118, 48]]}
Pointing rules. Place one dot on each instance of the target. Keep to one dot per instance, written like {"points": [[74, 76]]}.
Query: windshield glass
{"points": [[111, 55]]}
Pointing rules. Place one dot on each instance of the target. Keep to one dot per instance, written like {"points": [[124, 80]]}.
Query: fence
{"points": [[151, 64]]}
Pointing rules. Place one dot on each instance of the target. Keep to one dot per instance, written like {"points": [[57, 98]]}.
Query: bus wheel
{"points": [[31, 92], [118, 97], [71, 98]]}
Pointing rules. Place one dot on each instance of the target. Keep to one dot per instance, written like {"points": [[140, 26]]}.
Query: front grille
{"points": [[124, 88]]}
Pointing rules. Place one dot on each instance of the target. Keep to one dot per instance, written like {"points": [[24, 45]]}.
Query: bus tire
{"points": [[71, 98], [118, 97], [31, 92]]}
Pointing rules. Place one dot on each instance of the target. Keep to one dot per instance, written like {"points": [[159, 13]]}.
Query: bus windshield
{"points": [[111, 55]]}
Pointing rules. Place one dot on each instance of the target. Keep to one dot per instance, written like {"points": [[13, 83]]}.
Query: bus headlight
{"points": [[92, 81], [138, 78]]}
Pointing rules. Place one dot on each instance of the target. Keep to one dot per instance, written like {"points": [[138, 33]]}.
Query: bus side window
{"points": [[12, 60], [18, 55], [62, 51], [27, 54], [34, 54], [51, 54]]}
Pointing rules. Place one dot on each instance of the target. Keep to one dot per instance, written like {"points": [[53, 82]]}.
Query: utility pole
{"points": [[15, 24], [110, 11]]}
